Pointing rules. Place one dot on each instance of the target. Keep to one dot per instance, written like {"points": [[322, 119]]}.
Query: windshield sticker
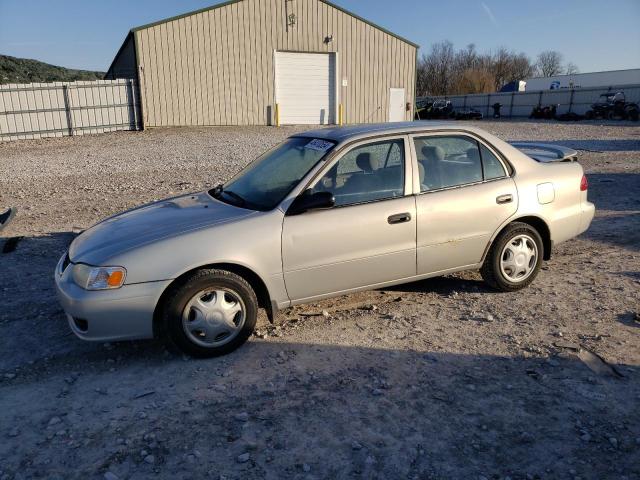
{"points": [[319, 145]]}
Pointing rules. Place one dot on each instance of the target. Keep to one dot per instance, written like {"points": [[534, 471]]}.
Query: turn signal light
{"points": [[115, 279], [584, 184], [98, 278]]}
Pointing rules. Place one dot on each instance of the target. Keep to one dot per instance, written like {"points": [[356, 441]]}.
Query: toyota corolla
{"points": [[324, 213]]}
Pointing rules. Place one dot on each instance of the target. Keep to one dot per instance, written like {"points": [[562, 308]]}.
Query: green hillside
{"points": [[23, 70]]}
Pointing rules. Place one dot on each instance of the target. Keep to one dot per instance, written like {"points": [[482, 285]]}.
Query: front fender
{"points": [[252, 242]]}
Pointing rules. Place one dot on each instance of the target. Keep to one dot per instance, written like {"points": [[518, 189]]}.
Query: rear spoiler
{"points": [[545, 153]]}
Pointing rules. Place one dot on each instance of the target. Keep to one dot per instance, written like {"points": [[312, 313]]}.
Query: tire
{"points": [[633, 115], [209, 298], [508, 279], [589, 115]]}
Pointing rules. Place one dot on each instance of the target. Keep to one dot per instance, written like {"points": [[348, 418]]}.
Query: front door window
{"points": [[367, 173]]}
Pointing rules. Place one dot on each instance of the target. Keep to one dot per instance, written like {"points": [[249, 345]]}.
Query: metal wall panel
{"points": [[216, 67], [37, 110]]}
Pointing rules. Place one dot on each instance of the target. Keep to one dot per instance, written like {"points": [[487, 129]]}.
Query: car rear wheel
{"points": [[210, 313], [514, 259]]}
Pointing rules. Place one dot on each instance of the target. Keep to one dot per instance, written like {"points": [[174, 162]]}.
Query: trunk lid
{"points": [[546, 153]]}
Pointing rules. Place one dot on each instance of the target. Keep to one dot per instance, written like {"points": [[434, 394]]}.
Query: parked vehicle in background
{"points": [[570, 117], [496, 110], [422, 106], [515, 86], [613, 106], [547, 112], [467, 114], [441, 109], [435, 110], [325, 213], [584, 80]]}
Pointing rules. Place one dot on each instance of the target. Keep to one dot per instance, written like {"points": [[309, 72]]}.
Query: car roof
{"points": [[352, 132]]}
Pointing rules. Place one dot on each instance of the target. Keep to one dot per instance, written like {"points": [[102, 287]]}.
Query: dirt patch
{"points": [[437, 379]]}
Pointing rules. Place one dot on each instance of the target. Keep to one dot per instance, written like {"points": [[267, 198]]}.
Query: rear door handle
{"points": [[500, 199], [399, 218]]}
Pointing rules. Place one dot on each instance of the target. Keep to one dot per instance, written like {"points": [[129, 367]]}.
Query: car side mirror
{"points": [[311, 201]]}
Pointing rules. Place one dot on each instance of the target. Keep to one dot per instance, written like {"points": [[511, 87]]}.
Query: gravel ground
{"points": [[437, 379]]}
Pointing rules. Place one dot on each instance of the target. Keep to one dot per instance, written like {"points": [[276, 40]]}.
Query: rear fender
{"points": [[536, 222]]}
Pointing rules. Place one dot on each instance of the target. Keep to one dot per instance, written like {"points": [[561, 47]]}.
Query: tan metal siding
{"points": [[216, 67]]}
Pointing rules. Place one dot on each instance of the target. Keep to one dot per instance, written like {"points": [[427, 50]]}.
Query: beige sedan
{"points": [[325, 213]]}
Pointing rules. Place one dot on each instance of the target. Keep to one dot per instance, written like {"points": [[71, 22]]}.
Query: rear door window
{"points": [[454, 160], [447, 161]]}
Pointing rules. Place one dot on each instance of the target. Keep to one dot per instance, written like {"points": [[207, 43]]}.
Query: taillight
{"points": [[584, 184]]}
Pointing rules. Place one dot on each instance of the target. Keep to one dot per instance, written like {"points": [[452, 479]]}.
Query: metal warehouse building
{"points": [[257, 62]]}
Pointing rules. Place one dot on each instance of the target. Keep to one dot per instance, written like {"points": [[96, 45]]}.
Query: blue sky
{"points": [[594, 35]]}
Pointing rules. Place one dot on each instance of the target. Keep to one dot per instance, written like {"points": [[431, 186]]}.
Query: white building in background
{"points": [[616, 78]]}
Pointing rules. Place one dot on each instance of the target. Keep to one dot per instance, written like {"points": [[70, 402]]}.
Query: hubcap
{"points": [[519, 258], [213, 317]]}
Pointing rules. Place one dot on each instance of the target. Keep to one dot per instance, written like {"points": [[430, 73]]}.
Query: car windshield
{"points": [[265, 182]]}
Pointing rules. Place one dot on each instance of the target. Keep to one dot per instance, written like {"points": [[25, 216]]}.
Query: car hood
{"points": [[151, 223]]}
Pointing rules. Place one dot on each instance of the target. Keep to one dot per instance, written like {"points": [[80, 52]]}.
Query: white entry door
{"points": [[306, 88], [396, 105]]}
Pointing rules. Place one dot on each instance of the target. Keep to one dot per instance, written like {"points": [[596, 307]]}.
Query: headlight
{"points": [[98, 278]]}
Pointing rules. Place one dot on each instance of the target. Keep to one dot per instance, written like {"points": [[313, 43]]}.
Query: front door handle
{"points": [[399, 218], [500, 199]]}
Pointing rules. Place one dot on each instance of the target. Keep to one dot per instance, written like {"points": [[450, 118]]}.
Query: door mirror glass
{"points": [[311, 201]]}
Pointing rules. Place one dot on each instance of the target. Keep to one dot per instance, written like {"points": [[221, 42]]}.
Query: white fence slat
{"points": [[92, 112]]}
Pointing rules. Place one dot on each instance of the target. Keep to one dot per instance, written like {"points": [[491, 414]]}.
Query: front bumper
{"points": [[125, 313]]}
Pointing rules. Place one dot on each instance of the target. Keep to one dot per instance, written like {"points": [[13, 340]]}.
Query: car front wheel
{"points": [[211, 312], [514, 259]]}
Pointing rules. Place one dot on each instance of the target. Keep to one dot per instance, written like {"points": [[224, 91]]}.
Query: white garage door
{"points": [[305, 88]]}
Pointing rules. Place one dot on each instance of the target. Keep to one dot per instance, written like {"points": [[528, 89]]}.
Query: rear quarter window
{"points": [[492, 166]]}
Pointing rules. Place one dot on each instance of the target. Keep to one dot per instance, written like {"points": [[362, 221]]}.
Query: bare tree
{"points": [[467, 58], [436, 68], [521, 67], [445, 71], [549, 63], [474, 80], [500, 67], [423, 85], [571, 69], [508, 66]]}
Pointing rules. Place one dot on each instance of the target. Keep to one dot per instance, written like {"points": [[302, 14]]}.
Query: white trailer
{"points": [[585, 80]]}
